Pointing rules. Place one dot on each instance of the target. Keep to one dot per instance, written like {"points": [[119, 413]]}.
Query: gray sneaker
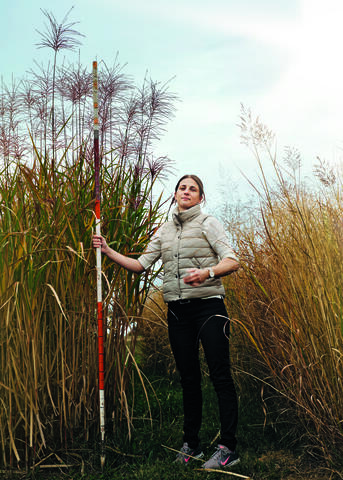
{"points": [[222, 458], [186, 454]]}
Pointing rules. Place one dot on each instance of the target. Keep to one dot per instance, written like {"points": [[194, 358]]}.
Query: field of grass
{"points": [[285, 303], [149, 456], [285, 432]]}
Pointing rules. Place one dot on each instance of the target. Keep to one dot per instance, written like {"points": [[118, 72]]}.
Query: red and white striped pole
{"points": [[98, 265]]}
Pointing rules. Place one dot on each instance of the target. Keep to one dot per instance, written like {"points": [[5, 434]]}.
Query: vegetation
{"points": [[48, 333], [55, 104], [151, 451], [285, 303], [287, 300], [48, 361]]}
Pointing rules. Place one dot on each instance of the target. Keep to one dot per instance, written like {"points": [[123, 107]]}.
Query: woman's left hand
{"points": [[195, 276]]}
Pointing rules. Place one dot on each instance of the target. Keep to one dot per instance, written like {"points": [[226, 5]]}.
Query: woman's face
{"points": [[187, 195]]}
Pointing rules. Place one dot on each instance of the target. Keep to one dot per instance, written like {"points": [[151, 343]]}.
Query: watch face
{"points": [[211, 273]]}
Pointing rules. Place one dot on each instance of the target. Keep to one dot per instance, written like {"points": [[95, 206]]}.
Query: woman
{"points": [[195, 253]]}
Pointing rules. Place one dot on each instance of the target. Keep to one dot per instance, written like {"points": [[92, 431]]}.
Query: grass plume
{"points": [[287, 299]]}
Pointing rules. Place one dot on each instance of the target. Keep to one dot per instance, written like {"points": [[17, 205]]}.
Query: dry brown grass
{"points": [[154, 342], [287, 301], [48, 335]]}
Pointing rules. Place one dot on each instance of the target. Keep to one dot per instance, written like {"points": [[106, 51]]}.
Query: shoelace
{"points": [[218, 453], [185, 449]]}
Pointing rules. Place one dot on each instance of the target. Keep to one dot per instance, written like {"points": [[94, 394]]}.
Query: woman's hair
{"points": [[197, 181]]}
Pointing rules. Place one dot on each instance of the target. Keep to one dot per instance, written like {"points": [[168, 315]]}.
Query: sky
{"points": [[280, 58]]}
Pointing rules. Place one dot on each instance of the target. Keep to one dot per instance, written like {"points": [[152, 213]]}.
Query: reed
{"points": [[48, 328], [58, 36], [54, 100], [154, 346], [287, 300], [48, 335]]}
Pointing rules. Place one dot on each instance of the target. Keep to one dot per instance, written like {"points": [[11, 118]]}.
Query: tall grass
{"points": [[48, 328], [288, 299], [54, 101], [57, 37], [48, 336]]}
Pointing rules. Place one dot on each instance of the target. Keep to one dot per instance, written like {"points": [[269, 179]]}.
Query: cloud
{"points": [[305, 104], [270, 26]]}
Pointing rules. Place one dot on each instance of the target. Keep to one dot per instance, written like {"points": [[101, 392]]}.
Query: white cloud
{"points": [[223, 18], [305, 106]]}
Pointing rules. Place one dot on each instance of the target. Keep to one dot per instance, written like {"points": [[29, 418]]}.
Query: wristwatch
{"points": [[211, 272]]}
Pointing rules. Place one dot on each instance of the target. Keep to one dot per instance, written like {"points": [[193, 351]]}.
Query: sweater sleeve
{"points": [[152, 252], [216, 236]]}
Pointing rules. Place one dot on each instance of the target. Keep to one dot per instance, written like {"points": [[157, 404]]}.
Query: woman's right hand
{"points": [[131, 264], [99, 241]]}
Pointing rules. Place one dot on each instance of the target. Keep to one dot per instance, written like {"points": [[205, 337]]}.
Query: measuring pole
{"points": [[98, 265]]}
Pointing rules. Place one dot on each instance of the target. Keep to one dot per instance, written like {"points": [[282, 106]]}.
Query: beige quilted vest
{"points": [[184, 245]]}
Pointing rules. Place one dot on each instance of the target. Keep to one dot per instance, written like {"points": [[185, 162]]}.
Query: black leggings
{"points": [[188, 323]]}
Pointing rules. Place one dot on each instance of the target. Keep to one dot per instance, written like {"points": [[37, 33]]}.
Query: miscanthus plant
{"points": [[52, 104], [48, 327], [287, 298]]}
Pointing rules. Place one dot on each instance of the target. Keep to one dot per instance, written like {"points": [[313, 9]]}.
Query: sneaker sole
{"points": [[234, 462]]}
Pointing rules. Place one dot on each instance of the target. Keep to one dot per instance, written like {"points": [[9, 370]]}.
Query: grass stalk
{"points": [[286, 301], [48, 371]]}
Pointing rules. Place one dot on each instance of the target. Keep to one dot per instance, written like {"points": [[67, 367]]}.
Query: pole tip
{"points": [[102, 461], [95, 64]]}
